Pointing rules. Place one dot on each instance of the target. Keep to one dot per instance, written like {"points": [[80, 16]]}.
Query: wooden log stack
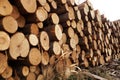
{"points": [[39, 38]]}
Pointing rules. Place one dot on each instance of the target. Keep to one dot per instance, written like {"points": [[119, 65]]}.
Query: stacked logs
{"points": [[39, 38]]}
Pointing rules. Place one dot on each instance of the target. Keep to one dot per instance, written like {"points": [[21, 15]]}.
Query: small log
{"points": [[42, 2], [73, 43], [40, 77], [45, 58], [63, 39], [15, 13], [4, 41], [52, 59], [70, 32], [52, 18], [33, 59], [5, 8], [31, 76], [40, 15], [44, 40], [61, 9], [33, 68], [24, 6], [33, 39], [7, 73], [54, 4], [47, 7], [55, 48], [73, 24], [54, 32], [91, 15], [9, 24], [101, 60], [80, 26], [19, 46], [40, 25], [3, 63], [31, 29], [83, 9], [21, 21]]}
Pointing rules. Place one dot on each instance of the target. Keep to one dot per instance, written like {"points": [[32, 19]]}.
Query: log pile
{"points": [[39, 38]]}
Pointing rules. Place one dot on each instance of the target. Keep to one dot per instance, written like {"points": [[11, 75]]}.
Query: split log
{"points": [[19, 46]]}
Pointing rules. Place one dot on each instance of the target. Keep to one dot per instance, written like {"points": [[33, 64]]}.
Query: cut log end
{"points": [[4, 41], [44, 40], [3, 63], [10, 24], [5, 8], [33, 59], [29, 5], [33, 40], [7, 73], [19, 46]]}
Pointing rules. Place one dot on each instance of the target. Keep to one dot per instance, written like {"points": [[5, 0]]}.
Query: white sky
{"points": [[110, 8]]}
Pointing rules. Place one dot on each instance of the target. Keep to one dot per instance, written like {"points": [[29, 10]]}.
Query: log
{"points": [[24, 6], [54, 4], [45, 58], [80, 26], [42, 2], [3, 63], [33, 68], [47, 7], [15, 13], [40, 25], [7, 73], [19, 46], [32, 58], [52, 18], [55, 48], [83, 9], [31, 29], [31, 76], [33, 39], [4, 41], [9, 24], [5, 8], [70, 32], [54, 32], [40, 77], [40, 15], [44, 40], [21, 21]]}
